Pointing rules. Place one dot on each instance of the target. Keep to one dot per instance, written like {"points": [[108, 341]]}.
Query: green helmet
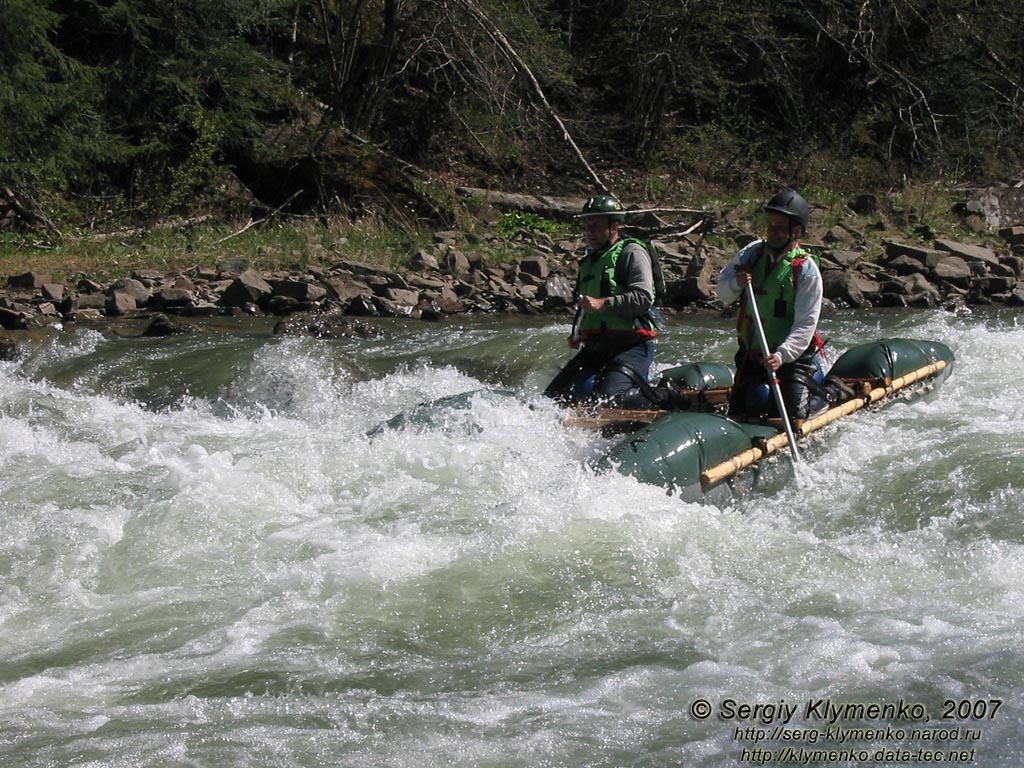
{"points": [[603, 205]]}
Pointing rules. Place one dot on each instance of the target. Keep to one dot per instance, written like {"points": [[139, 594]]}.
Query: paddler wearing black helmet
{"points": [[615, 325], [788, 289]]}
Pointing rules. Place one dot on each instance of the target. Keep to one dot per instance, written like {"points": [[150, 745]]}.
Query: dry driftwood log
{"points": [[563, 208]]}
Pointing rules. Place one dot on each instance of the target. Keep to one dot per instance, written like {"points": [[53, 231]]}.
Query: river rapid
{"points": [[205, 561]]}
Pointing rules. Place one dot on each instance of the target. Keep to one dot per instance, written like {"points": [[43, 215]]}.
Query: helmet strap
{"points": [[613, 234]]}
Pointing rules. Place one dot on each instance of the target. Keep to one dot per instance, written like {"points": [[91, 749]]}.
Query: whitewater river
{"points": [[204, 561]]}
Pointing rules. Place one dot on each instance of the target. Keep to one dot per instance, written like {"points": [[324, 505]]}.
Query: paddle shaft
{"points": [[774, 380]]}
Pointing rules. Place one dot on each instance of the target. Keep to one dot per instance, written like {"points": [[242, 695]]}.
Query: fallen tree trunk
{"points": [[541, 205], [561, 208]]}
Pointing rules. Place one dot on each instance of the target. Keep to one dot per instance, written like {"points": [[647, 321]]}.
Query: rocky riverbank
{"points": [[532, 273]]}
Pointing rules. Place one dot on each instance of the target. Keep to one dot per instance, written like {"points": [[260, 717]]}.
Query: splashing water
{"points": [[206, 561]]}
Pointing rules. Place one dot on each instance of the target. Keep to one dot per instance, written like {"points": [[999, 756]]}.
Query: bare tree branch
{"points": [[509, 50]]}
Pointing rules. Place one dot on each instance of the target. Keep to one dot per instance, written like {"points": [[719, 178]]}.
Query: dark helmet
{"points": [[788, 202], [603, 205]]}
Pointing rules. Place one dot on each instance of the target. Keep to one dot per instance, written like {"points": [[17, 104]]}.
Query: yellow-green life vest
{"points": [[775, 291], [597, 277]]}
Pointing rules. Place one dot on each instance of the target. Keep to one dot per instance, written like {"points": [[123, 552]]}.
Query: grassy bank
{"points": [[284, 244], [293, 243]]}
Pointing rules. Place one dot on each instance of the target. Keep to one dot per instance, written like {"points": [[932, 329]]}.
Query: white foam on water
{"points": [[253, 580]]}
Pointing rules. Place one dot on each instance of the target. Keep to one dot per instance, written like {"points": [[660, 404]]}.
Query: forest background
{"points": [[130, 112]]}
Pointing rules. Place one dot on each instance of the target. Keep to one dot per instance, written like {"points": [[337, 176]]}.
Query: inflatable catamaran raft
{"points": [[696, 451]]}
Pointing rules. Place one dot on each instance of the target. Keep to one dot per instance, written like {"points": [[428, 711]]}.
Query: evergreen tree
{"points": [[52, 129]]}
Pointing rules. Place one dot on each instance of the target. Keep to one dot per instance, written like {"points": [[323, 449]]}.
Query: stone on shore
{"points": [[843, 287], [953, 270], [120, 302], [30, 281], [247, 288], [969, 253]]}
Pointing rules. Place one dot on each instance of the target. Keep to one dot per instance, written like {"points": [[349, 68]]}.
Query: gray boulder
{"points": [[953, 270], [247, 288], [843, 286], [969, 253]]}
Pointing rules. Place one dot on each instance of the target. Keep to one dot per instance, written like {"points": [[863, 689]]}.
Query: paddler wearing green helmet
{"points": [[615, 324]]}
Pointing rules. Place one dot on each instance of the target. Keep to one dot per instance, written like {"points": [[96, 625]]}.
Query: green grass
{"points": [[290, 244]]}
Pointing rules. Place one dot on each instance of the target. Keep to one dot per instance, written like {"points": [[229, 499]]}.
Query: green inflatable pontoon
{"points": [[694, 453]]}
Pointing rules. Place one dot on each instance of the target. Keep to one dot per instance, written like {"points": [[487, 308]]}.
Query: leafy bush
{"points": [[520, 222]]}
